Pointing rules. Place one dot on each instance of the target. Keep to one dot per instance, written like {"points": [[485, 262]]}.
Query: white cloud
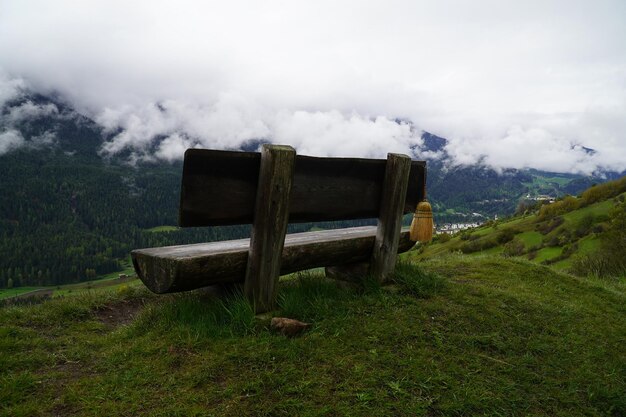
{"points": [[28, 111], [507, 81], [11, 117], [549, 152], [47, 138], [10, 140], [172, 147], [9, 87], [331, 133], [232, 122]]}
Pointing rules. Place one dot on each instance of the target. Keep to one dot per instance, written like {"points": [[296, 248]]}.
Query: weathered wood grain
{"points": [[219, 188], [395, 185], [270, 226], [187, 267]]}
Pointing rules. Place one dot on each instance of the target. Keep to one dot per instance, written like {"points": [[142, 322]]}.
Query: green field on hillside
{"points": [[555, 240], [162, 229], [108, 282], [457, 336], [599, 209], [12, 292], [548, 253], [530, 238]]}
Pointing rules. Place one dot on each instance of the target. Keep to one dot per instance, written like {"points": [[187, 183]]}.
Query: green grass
{"points": [[482, 231], [530, 239], [12, 292], [93, 287], [157, 229], [562, 265], [548, 253], [526, 230], [546, 181], [491, 251], [588, 245], [105, 282], [597, 209], [457, 335]]}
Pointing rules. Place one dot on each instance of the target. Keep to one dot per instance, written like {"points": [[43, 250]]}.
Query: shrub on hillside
{"points": [[567, 204], [479, 245], [584, 225], [552, 241], [514, 248], [442, 237], [595, 264], [566, 237], [603, 191], [506, 235], [610, 258], [597, 229], [527, 206], [546, 227]]}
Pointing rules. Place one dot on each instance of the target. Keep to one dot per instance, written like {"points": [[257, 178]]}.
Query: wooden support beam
{"points": [[395, 184], [269, 226]]}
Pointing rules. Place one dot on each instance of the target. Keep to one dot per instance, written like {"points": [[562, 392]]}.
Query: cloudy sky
{"points": [[515, 84]]}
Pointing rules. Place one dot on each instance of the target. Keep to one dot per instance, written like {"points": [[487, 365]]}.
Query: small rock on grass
{"points": [[288, 327]]}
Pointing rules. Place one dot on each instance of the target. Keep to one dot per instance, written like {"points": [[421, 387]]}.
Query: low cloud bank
{"points": [[537, 148], [13, 117], [165, 130]]}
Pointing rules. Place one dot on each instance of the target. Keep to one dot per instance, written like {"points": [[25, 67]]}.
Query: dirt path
{"points": [[119, 313]]}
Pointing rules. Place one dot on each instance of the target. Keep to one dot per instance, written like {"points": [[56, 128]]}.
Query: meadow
{"points": [[454, 335]]}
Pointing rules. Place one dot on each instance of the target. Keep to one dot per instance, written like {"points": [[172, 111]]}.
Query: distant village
{"points": [[541, 197], [452, 228]]}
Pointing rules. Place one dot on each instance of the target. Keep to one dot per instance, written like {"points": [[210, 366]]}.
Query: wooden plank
{"points": [[270, 226], [390, 217], [187, 267], [327, 189], [219, 188]]}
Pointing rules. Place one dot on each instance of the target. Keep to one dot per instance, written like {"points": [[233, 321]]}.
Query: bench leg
{"points": [[385, 251], [269, 227]]}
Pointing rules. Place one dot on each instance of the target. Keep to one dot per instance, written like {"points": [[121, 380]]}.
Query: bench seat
{"points": [[186, 267]]}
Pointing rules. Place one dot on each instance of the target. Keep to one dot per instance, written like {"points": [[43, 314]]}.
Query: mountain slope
{"points": [[566, 234], [66, 214]]}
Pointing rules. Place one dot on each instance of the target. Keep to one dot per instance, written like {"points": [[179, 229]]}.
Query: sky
{"points": [[512, 84]]}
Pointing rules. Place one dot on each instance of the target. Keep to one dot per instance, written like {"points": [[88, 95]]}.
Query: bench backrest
{"points": [[220, 187]]}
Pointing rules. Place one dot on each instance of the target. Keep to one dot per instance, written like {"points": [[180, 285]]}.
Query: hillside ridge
{"points": [[583, 235]]}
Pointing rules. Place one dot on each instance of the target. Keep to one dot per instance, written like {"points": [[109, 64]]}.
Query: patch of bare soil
{"points": [[119, 313]]}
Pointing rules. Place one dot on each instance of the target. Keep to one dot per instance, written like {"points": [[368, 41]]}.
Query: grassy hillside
{"points": [[558, 234], [458, 336]]}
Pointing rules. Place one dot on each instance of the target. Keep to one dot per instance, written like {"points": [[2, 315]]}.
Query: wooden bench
{"points": [[270, 189]]}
